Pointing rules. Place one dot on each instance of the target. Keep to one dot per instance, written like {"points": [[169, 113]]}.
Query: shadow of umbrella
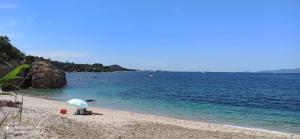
{"points": [[90, 100]]}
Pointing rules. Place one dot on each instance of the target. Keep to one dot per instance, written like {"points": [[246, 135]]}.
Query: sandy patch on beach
{"points": [[41, 119]]}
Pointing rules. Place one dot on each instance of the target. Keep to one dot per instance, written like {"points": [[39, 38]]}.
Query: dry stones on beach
{"points": [[45, 75]]}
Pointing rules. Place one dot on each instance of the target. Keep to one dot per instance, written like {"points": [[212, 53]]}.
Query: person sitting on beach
{"points": [[83, 111]]}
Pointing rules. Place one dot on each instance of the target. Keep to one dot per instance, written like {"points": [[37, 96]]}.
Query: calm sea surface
{"points": [[268, 101]]}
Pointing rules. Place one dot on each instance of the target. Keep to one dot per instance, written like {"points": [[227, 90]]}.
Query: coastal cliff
{"points": [[41, 75], [45, 73]]}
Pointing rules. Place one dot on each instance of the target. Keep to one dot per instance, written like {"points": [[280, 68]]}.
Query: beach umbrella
{"points": [[78, 102]]}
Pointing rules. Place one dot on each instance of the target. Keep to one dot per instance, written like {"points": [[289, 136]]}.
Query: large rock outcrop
{"points": [[45, 75], [5, 68], [22, 83]]}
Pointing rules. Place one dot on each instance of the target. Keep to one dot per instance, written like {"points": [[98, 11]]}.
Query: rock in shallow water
{"points": [[45, 75]]}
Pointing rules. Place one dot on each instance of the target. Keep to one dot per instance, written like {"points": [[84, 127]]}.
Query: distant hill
{"points": [[10, 57], [297, 70], [73, 67]]}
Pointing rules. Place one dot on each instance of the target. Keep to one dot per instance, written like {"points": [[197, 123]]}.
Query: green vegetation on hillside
{"points": [[72, 67], [9, 53]]}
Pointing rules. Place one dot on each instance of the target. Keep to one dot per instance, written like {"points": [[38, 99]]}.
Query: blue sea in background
{"points": [[258, 100]]}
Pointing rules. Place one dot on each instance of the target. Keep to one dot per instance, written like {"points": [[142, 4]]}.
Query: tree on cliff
{"points": [[10, 55], [8, 51]]}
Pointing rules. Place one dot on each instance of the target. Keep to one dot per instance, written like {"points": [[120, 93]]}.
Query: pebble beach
{"points": [[41, 119]]}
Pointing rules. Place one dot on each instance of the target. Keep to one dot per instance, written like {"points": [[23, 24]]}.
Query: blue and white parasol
{"points": [[78, 102]]}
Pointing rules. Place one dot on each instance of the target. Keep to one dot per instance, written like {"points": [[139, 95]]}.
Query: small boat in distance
{"points": [[150, 75]]}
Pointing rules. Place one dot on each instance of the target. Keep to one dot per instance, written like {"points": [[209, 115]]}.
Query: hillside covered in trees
{"points": [[72, 67], [8, 52], [10, 55]]}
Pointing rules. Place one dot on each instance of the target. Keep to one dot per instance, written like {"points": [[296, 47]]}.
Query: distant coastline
{"points": [[287, 71], [11, 57], [74, 67], [296, 70]]}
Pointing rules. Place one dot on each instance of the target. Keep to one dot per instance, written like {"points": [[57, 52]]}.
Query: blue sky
{"points": [[177, 35]]}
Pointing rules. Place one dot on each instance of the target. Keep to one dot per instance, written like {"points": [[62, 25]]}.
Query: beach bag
{"points": [[63, 111]]}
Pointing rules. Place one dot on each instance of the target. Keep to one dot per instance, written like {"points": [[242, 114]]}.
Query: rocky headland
{"points": [[44, 73]]}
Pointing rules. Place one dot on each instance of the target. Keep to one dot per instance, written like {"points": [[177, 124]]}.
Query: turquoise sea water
{"points": [[268, 101]]}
